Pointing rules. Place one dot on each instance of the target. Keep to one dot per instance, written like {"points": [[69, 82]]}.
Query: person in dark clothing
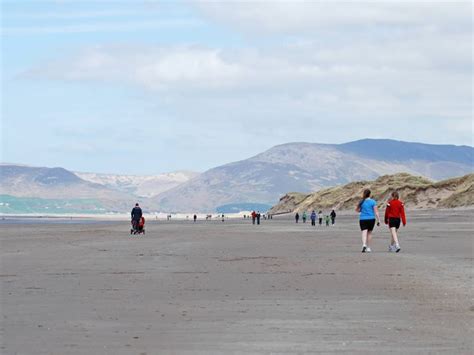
{"points": [[258, 217], [195, 217], [313, 218], [254, 216], [333, 217], [297, 217], [136, 215]]}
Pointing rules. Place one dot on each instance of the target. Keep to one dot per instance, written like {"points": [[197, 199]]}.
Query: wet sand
{"points": [[234, 288]]}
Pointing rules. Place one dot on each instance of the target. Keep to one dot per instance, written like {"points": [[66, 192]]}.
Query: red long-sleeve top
{"points": [[395, 209]]}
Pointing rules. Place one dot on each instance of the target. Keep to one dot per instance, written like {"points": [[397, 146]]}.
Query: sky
{"points": [[144, 87]]}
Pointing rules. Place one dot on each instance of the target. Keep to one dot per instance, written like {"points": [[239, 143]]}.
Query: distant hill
{"points": [[415, 191], [387, 149], [239, 207], [142, 186], [39, 183], [308, 167], [26, 181], [27, 189]]}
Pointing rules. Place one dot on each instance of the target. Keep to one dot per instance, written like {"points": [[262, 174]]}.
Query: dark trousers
{"points": [[253, 220], [135, 223], [320, 221], [313, 222]]}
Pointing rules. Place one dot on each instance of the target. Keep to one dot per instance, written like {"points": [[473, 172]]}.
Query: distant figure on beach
{"points": [[136, 213], [258, 217], [327, 219], [368, 213], [297, 217], [304, 217], [254, 216], [136, 216], [394, 214], [313, 218], [223, 217], [195, 217], [333, 217], [320, 217]]}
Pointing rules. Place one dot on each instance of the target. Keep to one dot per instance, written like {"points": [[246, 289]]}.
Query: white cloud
{"points": [[118, 26], [160, 68], [297, 16], [388, 66]]}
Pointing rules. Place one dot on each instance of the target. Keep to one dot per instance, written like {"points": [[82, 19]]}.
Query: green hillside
{"points": [[23, 205]]}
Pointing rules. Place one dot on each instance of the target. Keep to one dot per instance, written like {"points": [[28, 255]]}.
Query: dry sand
{"points": [[234, 288]]}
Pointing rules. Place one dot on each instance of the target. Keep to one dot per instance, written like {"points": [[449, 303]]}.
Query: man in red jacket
{"points": [[394, 214]]}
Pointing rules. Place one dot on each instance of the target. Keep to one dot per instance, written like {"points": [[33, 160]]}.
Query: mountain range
{"points": [[139, 185], [26, 189], [261, 179], [307, 167]]}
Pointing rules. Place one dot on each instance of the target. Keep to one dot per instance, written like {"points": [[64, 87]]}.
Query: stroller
{"points": [[138, 227]]}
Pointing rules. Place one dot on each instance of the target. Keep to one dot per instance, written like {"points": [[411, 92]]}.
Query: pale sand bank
{"points": [[231, 288], [160, 216]]}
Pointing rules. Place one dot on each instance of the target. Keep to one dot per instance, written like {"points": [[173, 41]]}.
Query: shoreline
{"points": [[189, 216]]}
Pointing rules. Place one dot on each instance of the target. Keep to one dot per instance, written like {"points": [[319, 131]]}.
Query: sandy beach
{"points": [[235, 288]]}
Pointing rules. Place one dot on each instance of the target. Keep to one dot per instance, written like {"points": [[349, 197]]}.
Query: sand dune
{"points": [[417, 193]]}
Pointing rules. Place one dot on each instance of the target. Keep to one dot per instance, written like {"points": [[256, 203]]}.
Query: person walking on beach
{"points": [[136, 215], [327, 218], [297, 217], [368, 214], [194, 218], [254, 216], [333, 217], [394, 214], [320, 217], [258, 217], [304, 217], [313, 218]]}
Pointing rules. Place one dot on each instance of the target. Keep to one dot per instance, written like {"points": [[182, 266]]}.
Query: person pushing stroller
{"points": [[137, 220]]}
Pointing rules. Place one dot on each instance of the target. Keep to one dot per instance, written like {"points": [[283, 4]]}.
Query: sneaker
{"points": [[397, 248], [369, 250], [364, 249], [391, 248]]}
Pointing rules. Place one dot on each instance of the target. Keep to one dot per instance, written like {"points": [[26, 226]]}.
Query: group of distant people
{"points": [[330, 218], [255, 217], [368, 218]]}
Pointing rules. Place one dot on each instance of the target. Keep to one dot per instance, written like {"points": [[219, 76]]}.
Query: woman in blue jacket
{"points": [[368, 216]]}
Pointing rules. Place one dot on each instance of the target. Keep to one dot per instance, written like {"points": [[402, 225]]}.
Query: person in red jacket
{"points": [[254, 216], [394, 214]]}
